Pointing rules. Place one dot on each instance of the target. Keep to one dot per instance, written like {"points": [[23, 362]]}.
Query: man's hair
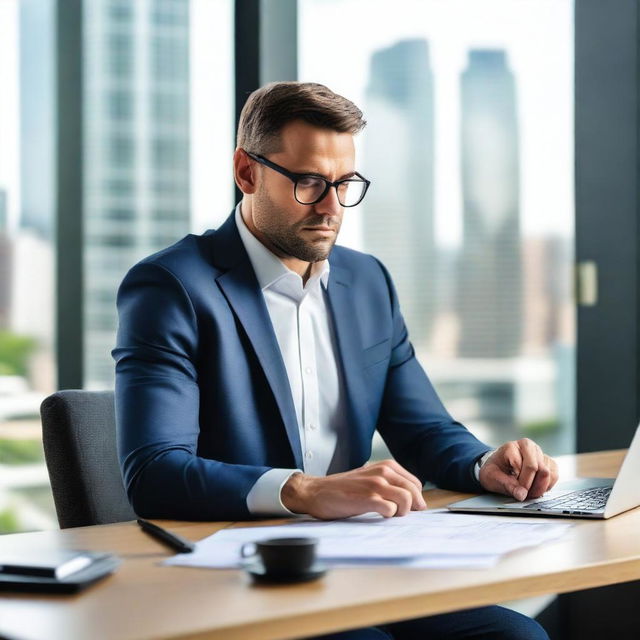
{"points": [[273, 106]]}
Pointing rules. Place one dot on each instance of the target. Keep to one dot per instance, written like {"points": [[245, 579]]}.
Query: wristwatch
{"points": [[481, 461], [485, 457]]}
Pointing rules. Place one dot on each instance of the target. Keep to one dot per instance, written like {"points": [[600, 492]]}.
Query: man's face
{"points": [[290, 229]]}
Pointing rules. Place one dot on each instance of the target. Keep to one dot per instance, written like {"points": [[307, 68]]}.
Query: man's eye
{"points": [[309, 182]]}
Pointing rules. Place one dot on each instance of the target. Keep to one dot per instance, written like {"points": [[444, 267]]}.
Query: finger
{"points": [[546, 477], [393, 474], [398, 495], [379, 487], [540, 483], [397, 480], [554, 472], [398, 468], [495, 479], [509, 458], [417, 499], [531, 460], [377, 504]]}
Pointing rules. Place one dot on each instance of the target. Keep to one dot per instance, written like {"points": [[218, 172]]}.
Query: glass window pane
{"points": [[158, 136], [469, 147], [27, 358]]}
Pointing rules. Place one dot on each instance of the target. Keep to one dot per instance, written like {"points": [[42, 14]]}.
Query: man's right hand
{"points": [[383, 487]]}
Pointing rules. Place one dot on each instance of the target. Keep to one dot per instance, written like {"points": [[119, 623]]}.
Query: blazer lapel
{"points": [[241, 289], [350, 352]]}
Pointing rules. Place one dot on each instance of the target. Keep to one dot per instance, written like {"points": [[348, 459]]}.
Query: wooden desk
{"points": [[144, 600]]}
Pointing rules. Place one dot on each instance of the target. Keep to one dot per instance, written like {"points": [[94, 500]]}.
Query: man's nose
{"points": [[329, 205]]}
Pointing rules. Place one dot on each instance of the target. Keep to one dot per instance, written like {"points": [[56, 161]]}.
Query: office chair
{"points": [[79, 436]]}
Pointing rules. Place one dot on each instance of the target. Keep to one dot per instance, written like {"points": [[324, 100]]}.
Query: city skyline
{"points": [[424, 305], [545, 99], [400, 107]]}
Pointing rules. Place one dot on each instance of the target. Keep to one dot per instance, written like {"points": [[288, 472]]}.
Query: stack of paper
{"points": [[428, 539]]}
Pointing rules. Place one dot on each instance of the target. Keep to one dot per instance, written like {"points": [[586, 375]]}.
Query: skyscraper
{"points": [[399, 152], [489, 291], [136, 152]]}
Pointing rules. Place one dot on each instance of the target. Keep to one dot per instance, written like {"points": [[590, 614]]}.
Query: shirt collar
{"points": [[269, 269]]}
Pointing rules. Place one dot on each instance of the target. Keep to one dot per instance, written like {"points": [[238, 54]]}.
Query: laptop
{"points": [[580, 498]]}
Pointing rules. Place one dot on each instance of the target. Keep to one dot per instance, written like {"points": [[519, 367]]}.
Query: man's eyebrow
{"points": [[315, 173]]}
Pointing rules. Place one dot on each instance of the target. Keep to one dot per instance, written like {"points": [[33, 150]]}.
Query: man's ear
{"points": [[245, 172]]}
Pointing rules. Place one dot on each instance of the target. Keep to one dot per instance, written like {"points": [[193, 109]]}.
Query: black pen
{"points": [[176, 542]]}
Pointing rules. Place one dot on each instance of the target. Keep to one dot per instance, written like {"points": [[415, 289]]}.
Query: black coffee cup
{"points": [[283, 556]]}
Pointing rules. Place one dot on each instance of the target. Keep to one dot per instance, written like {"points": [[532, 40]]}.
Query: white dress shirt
{"points": [[305, 335], [303, 328]]}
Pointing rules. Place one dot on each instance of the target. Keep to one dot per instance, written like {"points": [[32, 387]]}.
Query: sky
{"points": [[9, 115], [212, 112], [538, 38], [337, 38]]}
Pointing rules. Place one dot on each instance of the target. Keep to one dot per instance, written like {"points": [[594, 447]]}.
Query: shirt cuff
{"points": [[480, 462], [264, 497]]}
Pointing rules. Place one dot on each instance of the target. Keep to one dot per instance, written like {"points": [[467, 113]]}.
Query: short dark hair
{"points": [[269, 108]]}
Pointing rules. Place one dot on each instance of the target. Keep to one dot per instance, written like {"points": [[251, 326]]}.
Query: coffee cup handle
{"points": [[243, 549]]}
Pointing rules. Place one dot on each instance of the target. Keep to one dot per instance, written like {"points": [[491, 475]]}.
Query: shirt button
{"points": [[308, 370], [312, 427], [308, 455]]}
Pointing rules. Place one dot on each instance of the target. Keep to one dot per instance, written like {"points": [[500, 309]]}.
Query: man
{"points": [[255, 362]]}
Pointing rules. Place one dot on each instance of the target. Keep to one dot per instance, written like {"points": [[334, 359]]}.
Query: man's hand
{"points": [[384, 487], [520, 469]]}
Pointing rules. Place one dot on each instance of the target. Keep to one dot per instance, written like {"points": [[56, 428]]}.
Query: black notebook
{"points": [[56, 570]]}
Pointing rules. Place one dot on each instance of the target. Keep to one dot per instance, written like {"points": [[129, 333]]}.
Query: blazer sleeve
{"points": [[157, 407], [413, 422]]}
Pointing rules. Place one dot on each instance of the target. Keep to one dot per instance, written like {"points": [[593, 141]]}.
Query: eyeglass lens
{"points": [[310, 189]]}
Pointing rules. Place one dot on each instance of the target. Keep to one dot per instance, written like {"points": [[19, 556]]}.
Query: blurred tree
{"points": [[14, 353], [20, 451], [9, 522]]}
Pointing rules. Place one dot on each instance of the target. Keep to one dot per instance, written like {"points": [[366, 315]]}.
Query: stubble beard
{"points": [[286, 238]]}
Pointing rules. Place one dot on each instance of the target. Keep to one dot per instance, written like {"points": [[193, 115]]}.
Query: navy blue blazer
{"points": [[203, 402]]}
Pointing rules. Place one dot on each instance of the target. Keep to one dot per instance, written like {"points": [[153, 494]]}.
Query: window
{"points": [[168, 108], [170, 153], [27, 358], [119, 49], [469, 147], [164, 145], [120, 151], [170, 57], [120, 105]]}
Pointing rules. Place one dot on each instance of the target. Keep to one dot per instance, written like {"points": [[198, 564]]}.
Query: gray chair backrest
{"points": [[79, 436]]}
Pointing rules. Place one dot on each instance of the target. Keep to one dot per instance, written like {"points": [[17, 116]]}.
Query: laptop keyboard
{"points": [[583, 500]]}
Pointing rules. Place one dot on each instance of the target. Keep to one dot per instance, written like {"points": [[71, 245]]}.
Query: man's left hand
{"points": [[520, 469]]}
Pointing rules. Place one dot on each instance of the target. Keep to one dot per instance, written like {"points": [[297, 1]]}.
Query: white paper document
{"points": [[427, 539]]}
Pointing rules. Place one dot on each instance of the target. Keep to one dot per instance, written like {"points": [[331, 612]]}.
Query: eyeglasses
{"points": [[309, 188]]}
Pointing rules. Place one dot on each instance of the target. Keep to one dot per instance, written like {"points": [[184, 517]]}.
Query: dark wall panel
{"points": [[606, 214]]}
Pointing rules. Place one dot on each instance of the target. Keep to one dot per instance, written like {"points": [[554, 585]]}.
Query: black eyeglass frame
{"points": [[295, 177]]}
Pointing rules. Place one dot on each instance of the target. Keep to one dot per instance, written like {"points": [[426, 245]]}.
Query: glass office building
{"points": [[136, 151]]}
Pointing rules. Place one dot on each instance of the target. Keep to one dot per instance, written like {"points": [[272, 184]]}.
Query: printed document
{"points": [[426, 539]]}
